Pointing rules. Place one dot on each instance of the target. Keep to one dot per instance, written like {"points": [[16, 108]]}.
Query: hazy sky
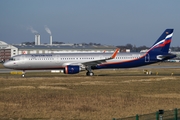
{"points": [[109, 22]]}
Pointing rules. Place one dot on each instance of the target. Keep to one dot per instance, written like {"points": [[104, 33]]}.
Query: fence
{"points": [[159, 115]]}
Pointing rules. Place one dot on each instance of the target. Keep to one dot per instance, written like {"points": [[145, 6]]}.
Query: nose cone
{"points": [[6, 65]]}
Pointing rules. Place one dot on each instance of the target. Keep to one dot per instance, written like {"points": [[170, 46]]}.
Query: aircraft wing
{"points": [[93, 63]]}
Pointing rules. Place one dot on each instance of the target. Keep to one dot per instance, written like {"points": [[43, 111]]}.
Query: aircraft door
{"points": [[57, 58], [147, 57]]}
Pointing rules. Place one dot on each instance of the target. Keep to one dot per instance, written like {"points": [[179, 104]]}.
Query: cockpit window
{"points": [[12, 59]]}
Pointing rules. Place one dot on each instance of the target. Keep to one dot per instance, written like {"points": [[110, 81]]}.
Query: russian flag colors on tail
{"points": [[163, 42]]}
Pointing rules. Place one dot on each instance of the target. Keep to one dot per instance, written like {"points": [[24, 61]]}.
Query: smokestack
{"points": [[37, 39], [50, 42], [39, 42]]}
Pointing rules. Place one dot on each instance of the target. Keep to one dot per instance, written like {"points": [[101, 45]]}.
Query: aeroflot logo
{"points": [[41, 55], [167, 32]]}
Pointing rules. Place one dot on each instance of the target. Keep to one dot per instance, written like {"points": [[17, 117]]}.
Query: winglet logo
{"points": [[115, 53], [167, 32]]}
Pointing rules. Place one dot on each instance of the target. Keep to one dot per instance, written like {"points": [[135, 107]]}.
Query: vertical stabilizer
{"points": [[163, 42]]}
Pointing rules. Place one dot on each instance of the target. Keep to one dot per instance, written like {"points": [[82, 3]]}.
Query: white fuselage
{"points": [[59, 61]]}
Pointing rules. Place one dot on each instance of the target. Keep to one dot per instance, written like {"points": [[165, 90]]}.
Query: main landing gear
{"points": [[89, 71]]}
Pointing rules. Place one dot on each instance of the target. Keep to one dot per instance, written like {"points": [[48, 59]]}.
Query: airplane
{"points": [[73, 63]]}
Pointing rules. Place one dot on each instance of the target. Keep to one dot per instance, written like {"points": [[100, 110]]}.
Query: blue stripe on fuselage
{"points": [[128, 63]]}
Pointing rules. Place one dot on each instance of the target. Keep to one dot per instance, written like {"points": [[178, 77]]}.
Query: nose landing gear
{"points": [[23, 74]]}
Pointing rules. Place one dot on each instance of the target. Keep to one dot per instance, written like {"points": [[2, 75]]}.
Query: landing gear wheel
{"points": [[89, 73], [23, 75]]}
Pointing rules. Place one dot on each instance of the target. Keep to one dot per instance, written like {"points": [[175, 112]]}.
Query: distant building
{"points": [[63, 48], [7, 51], [144, 51]]}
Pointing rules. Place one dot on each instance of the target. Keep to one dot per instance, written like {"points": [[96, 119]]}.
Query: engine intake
{"points": [[71, 69]]}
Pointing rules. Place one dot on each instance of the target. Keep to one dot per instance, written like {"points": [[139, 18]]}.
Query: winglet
{"points": [[115, 53]]}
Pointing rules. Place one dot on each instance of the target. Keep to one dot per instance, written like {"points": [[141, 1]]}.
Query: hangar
{"points": [[7, 51]]}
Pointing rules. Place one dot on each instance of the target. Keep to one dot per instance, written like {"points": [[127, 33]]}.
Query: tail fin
{"points": [[163, 42]]}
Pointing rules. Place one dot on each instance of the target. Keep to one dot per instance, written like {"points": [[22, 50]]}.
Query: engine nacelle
{"points": [[71, 69]]}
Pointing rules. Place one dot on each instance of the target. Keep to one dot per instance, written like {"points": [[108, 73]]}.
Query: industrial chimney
{"points": [[37, 39], [39, 42], [50, 42]]}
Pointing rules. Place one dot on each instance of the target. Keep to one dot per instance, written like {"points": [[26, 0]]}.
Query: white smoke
{"points": [[47, 30], [32, 30]]}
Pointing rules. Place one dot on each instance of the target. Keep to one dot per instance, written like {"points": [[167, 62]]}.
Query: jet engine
{"points": [[71, 69]]}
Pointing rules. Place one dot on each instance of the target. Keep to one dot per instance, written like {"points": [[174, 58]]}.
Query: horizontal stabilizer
{"points": [[165, 57]]}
